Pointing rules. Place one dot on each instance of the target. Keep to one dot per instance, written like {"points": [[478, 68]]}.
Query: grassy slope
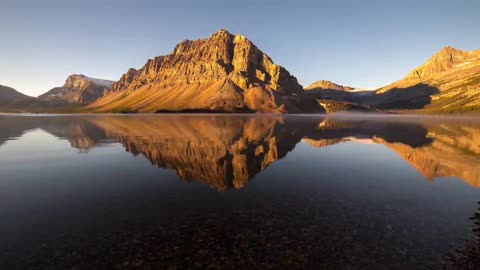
{"points": [[456, 92]]}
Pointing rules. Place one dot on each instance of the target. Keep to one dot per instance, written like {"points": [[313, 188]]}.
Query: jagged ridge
{"points": [[222, 73]]}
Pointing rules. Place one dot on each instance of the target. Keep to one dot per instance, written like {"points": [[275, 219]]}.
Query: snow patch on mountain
{"points": [[100, 82]]}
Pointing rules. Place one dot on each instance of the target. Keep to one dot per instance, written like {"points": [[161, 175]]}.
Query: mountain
{"points": [[13, 101], [9, 95], [448, 82], [334, 97], [78, 89], [446, 59], [228, 73], [224, 73], [328, 85]]}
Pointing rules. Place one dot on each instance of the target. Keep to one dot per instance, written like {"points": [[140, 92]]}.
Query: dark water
{"points": [[239, 192]]}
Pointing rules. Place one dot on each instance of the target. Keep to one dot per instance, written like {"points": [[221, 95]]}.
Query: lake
{"points": [[214, 191]]}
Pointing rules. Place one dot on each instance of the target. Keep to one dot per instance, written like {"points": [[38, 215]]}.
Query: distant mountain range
{"points": [[228, 73], [77, 91], [449, 82]]}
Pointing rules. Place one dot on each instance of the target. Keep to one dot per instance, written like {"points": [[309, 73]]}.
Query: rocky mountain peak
{"points": [[237, 75], [76, 81], [79, 89], [446, 59], [79, 81], [449, 50], [221, 56], [328, 85], [125, 80], [447, 82]]}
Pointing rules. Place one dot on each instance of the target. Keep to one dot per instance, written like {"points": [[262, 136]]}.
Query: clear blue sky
{"points": [[359, 43]]}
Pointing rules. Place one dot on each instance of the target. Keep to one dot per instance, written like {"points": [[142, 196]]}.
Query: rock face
{"points": [[125, 80], [446, 59], [222, 73], [448, 82], [328, 85], [78, 89]]}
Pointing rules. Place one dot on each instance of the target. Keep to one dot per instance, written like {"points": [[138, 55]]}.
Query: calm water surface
{"points": [[239, 192]]}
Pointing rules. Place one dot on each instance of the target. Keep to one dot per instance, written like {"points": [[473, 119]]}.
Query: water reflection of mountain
{"points": [[228, 151], [222, 152], [80, 133], [434, 148]]}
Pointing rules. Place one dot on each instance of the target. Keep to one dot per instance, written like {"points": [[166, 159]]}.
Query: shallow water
{"points": [[238, 191]]}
